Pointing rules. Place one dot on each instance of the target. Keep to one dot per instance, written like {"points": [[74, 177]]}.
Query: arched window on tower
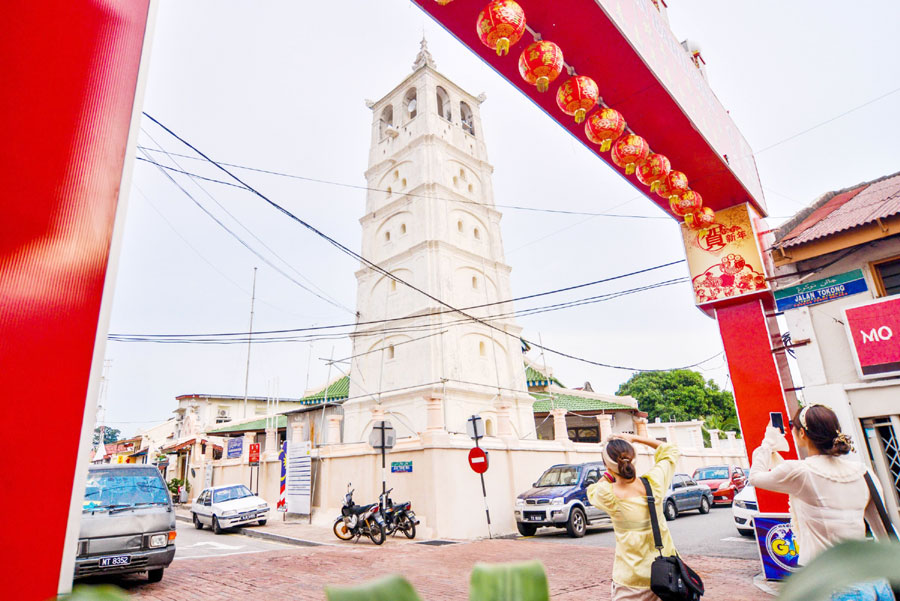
{"points": [[474, 282], [411, 103], [402, 228], [459, 226], [466, 118], [390, 352], [476, 233], [387, 120], [443, 103]]}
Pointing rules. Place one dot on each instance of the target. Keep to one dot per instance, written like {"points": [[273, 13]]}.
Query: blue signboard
{"points": [[235, 448], [401, 466], [821, 291], [777, 545]]}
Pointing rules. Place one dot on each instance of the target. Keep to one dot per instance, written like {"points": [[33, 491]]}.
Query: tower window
{"points": [[482, 350], [393, 285], [477, 234], [387, 119], [389, 190], [443, 103], [488, 427], [471, 189], [411, 103], [387, 236], [455, 182], [396, 174], [402, 228], [459, 226], [466, 118], [462, 174], [403, 183], [390, 352], [474, 282]]}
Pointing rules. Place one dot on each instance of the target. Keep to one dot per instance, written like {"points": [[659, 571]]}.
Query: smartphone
{"points": [[777, 420]]}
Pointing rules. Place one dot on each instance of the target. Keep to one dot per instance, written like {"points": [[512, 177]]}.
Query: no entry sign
{"points": [[478, 460]]}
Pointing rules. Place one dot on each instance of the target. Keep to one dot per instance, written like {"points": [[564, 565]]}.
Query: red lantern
{"points": [[540, 63], [604, 126], [701, 219], [674, 184], [651, 171], [684, 204], [500, 25], [628, 151], [577, 95]]}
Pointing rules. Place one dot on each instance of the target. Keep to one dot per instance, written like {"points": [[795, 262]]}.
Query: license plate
{"points": [[535, 518], [249, 516], [118, 560]]}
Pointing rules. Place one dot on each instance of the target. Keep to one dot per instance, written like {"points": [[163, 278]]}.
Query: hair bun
{"points": [[841, 445], [626, 468]]}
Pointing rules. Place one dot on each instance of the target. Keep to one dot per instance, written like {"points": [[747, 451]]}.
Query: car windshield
{"points": [[114, 489], [230, 493], [562, 475], [711, 473]]}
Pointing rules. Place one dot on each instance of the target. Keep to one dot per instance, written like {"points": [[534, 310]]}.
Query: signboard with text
{"points": [[873, 330], [235, 448], [401, 467], [298, 477], [254, 453], [777, 545], [820, 291], [724, 259]]}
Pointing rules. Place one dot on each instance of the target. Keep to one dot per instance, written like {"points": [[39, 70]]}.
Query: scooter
{"points": [[397, 516], [358, 520]]}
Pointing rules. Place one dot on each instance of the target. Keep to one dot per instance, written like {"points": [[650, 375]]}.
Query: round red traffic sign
{"points": [[478, 460]]}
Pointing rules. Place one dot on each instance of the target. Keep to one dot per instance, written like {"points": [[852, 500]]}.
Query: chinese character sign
{"points": [[724, 259]]}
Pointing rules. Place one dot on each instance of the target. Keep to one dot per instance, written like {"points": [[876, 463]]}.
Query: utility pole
{"points": [[249, 342]]}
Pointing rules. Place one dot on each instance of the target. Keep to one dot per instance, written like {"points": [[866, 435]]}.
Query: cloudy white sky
{"points": [[281, 86]]}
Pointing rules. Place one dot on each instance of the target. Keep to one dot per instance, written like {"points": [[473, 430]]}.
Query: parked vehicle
{"points": [[684, 495], [222, 507], [724, 480], [397, 516], [745, 508], [358, 520], [559, 499], [127, 523]]}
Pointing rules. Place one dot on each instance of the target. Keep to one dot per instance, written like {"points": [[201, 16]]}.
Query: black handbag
{"points": [[670, 578], [879, 505]]}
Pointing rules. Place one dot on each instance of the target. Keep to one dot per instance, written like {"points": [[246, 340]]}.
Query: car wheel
{"points": [[215, 525], [262, 522], [155, 575], [744, 532], [577, 524], [526, 529], [670, 510], [197, 523], [704, 505]]}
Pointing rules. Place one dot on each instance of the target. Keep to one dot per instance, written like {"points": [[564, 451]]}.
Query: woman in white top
{"points": [[829, 497]]}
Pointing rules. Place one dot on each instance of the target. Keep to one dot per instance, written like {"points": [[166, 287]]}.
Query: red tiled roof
{"points": [[852, 208]]}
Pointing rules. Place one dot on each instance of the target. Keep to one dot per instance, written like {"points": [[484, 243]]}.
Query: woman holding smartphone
{"points": [[622, 496]]}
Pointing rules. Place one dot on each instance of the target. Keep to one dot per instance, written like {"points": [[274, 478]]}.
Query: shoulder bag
{"points": [[879, 505], [670, 578]]}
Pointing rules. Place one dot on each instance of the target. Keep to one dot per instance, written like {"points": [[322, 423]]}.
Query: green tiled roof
{"points": [[337, 391], [571, 402], [259, 424], [536, 378]]}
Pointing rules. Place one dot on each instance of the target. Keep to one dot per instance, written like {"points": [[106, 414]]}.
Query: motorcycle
{"points": [[358, 520], [397, 516]]}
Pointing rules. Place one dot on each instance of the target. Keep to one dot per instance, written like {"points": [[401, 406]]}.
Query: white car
{"points": [[223, 507], [744, 509]]}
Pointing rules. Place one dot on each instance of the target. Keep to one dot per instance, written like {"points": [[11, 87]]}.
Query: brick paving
{"points": [[438, 573]]}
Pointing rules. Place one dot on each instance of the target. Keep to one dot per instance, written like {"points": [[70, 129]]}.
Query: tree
{"points": [[681, 395], [110, 435]]}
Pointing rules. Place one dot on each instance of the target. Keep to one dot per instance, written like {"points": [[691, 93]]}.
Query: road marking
{"points": [[738, 539], [220, 546]]}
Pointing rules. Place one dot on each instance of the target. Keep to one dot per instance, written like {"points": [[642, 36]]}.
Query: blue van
{"points": [[559, 499]]}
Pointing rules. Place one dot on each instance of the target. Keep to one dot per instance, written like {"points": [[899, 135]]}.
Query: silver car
{"points": [[227, 506], [684, 494], [127, 523]]}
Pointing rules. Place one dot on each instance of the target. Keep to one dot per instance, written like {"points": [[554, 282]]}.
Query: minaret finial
{"points": [[424, 57]]}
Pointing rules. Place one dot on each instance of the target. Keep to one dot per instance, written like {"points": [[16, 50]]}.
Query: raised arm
{"points": [[769, 470]]}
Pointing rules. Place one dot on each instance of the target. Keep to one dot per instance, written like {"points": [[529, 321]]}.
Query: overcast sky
{"points": [[281, 86]]}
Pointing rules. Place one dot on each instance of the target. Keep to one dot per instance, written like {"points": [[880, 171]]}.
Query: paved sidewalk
{"points": [[439, 573]]}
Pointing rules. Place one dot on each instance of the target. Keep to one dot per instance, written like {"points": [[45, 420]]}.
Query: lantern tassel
{"points": [[542, 83], [502, 46], [629, 168], [579, 115], [606, 145]]}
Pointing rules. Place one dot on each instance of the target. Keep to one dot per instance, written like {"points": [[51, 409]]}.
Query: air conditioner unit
{"points": [[223, 413]]}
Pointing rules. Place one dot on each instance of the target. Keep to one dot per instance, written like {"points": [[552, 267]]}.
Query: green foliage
{"points": [[679, 395], [110, 435], [174, 483], [103, 592], [391, 588], [848, 563], [519, 581]]}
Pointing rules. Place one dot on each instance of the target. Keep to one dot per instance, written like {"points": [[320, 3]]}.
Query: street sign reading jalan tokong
{"points": [[401, 466], [821, 291]]}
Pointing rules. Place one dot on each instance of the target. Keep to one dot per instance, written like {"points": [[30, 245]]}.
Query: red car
{"points": [[725, 481]]}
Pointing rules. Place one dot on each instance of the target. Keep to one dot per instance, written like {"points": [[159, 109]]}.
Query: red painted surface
{"points": [[756, 381], [69, 76], [874, 330], [254, 452], [478, 460], [592, 43]]}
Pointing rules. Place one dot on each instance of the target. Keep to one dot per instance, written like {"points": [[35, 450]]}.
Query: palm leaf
{"points": [[845, 564], [390, 588], [521, 581], [103, 592]]}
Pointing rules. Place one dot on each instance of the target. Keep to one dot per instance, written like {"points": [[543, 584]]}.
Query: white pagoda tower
{"points": [[430, 221]]}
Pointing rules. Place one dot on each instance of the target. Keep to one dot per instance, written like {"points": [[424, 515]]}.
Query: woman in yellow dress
{"points": [[621, 495]]}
